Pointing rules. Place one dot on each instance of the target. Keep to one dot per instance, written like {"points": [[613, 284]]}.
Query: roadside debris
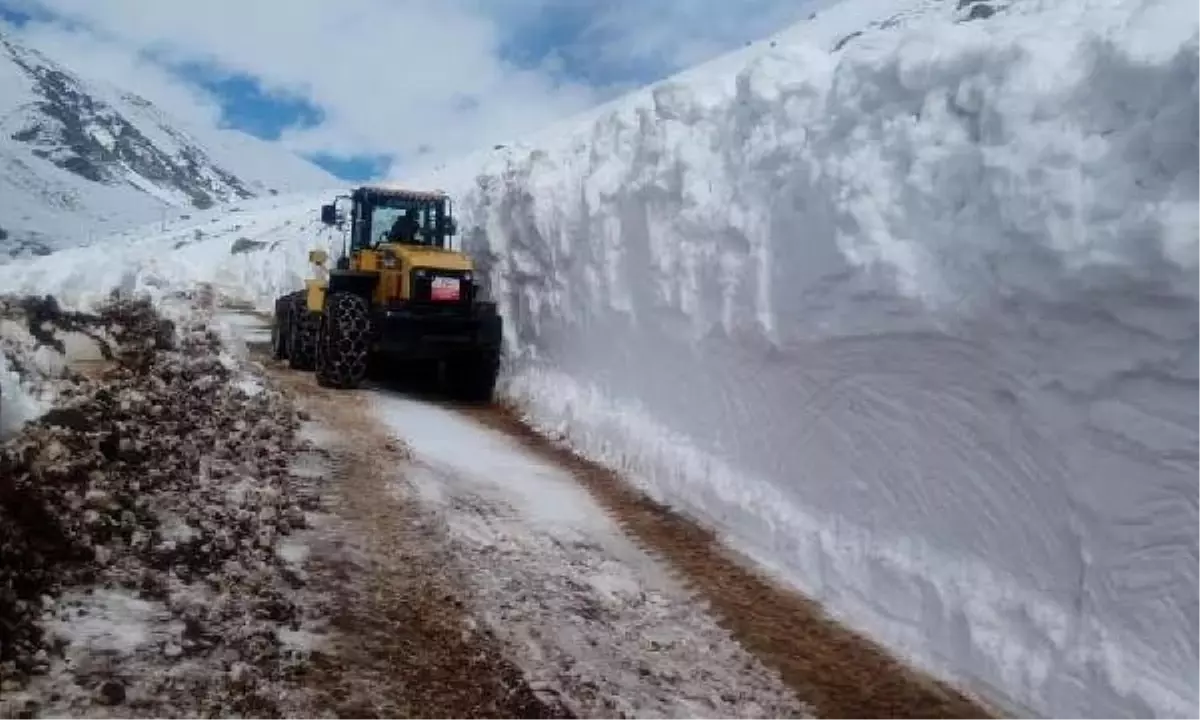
{"points": [[140, 526]]}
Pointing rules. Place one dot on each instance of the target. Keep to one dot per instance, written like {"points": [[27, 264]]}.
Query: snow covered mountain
{"points": [[903, 301], [80, 158]]}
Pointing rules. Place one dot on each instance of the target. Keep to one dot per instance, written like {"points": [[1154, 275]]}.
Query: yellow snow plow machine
{"points": [[399, 297]]}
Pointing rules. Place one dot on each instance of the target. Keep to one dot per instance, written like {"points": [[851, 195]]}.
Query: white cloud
{"points": [[404, 78], [389, 75]]}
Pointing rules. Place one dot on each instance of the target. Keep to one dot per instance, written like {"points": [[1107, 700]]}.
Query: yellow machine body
{"points": [[394, 263], [399, 298]]}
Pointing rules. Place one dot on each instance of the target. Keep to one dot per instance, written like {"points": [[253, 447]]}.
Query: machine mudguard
{"points": [[315, 295], [359, 282]]}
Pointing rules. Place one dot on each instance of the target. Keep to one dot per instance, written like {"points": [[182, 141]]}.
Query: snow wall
{"points": [[915, 323]]}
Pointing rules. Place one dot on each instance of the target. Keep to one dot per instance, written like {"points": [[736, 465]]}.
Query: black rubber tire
{"points": [[302, 333], [279, 328], [473, 378], [343, 341]]}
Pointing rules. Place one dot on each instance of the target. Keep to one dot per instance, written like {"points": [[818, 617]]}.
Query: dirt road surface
{"points": [[399, 642]]}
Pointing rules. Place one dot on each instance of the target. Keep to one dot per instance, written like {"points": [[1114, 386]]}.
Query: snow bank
{"points": [[914, 322], [252, 251]]}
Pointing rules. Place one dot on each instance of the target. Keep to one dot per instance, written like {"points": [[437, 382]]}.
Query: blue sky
{"points": [[12, 15], [496, 67]]}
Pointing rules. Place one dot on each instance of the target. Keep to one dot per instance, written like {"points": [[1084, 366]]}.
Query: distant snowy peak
{"points": [[80, 158], [65, 124]]}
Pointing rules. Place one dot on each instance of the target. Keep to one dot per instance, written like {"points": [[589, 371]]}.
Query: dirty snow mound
{"points": [[139, 525], [43, 345]]}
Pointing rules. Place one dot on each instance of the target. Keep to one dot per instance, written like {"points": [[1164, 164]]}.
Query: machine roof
{"points": [[399, 191]]}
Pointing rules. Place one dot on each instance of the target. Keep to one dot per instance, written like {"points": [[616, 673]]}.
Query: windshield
{"points": [[390, 224]]}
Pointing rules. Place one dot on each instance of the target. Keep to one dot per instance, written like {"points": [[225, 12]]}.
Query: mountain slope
{"points": [[80, 158]]}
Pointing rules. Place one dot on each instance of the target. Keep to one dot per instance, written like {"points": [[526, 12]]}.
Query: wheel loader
{"points": [[398, 298]]}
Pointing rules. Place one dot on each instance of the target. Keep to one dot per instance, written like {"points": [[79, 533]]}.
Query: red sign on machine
{"points": [[444, 289]]}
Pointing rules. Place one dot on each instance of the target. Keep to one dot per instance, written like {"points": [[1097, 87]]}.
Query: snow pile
{"points": [[253, 251], [41, 347], [141, 521]]}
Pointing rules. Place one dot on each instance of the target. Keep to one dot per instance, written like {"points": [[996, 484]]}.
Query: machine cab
{"points": [[403, 237], [381, 215]]}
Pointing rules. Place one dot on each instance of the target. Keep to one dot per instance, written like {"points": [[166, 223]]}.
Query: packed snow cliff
{"points": [[903, 300]]}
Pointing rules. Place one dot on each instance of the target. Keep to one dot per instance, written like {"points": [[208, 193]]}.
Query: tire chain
{"points": [[278, 326], [302, 333], [345, 340]]}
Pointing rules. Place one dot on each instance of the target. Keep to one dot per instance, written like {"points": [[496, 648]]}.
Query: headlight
{"points": [[389, 261]]}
